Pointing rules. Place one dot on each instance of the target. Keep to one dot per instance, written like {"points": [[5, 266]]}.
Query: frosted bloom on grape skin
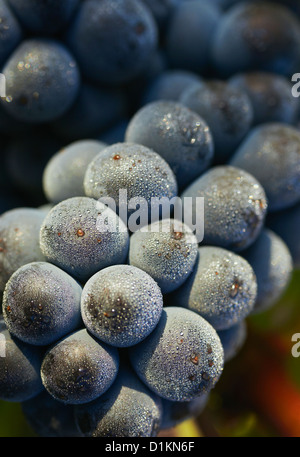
{"points": [[235, 206], [41, 303], [182, 358], [227, 111], [72, 238], [64, 173], [271, 153], [178, 134], [127, 409], [19, 240], [78, 368], [165, 252], [222, 287], [121, 305], [134, 168]]}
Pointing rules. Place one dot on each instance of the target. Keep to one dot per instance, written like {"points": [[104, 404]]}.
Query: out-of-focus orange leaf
{"points": [[278, 399]]}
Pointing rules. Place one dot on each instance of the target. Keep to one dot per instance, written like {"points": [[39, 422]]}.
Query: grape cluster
{"points": [[118, 321]]}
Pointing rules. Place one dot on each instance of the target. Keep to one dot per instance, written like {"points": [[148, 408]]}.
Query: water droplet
{"points": [[195, 359], [205, 376]]}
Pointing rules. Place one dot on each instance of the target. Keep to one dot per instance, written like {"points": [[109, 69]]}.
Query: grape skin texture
{"points": [[182, 358], [64, 173], [78, 368], [112, 40], [121, 305], [178, 134], [42, 81], [127, 409], [19, 240], [72, 238], [235, 206], [134, 168], [19, 370], [271, 153], [270, 96], [227, 111], [272, 262], [239, 44], [165, 252], [41, 303], [222, 288]]}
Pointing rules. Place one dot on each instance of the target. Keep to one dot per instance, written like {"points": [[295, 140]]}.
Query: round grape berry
{"points": [[182, 358], [136, 170], [177, 134], [271, 153], [121, 305], [82, 236], [20, 365], [272, 263], [222, 287], [78, 368], [127, 409], [42, 81], [167, 250], [270, 95], [257, 36], [19, 240], [41, 303], [235, 206], [226, 109], [112, 40], [64, 173]]}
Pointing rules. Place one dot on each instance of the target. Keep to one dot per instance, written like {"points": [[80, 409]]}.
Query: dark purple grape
{"points": [[78, 368]]}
